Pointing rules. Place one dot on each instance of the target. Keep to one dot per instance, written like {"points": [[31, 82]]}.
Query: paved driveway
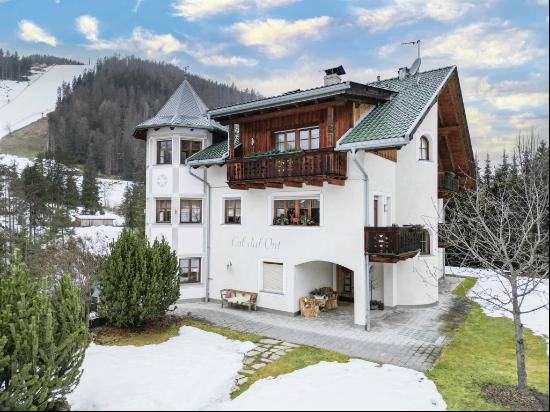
{"points": [[405, 337]]}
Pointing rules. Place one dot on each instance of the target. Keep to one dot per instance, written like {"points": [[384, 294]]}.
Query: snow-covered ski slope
{"points": [[28, 102]]}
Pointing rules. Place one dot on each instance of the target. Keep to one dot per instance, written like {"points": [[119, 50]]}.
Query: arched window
{"points": [[424, 148], [425, 243]]}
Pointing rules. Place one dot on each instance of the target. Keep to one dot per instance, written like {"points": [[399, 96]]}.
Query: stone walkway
{"points": [[265, 352], [405, 337]]}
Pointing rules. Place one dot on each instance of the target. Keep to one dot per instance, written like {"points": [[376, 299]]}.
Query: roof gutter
{"points": [[366, 223]]}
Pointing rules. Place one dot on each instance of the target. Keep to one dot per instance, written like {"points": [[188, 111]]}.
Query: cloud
{"points": [[31, 32], [407, 12], [486, 45], [279, 37], [198, 9], [507, 95], [136, 6], [155, 45]]}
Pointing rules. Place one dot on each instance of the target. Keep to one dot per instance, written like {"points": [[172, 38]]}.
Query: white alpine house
{"points": [[338, 186]]}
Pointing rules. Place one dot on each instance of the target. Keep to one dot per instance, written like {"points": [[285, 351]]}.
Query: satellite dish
{"points": [[415, 66]]}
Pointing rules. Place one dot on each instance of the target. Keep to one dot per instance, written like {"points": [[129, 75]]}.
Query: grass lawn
{"points": [[483, 352], [299, 358], [28, 141]]}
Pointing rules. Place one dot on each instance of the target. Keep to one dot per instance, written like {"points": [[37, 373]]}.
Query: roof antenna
{"points": [[415, 67]]}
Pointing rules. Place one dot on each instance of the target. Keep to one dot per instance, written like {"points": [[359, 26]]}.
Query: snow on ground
{"points": [[31, 103], [111, 191], [195, 370], [19, 162], [357, 385], [98, 238], [489, 281]]}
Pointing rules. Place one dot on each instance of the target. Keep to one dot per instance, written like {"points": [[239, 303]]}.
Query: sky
{"points": [[272, 46]]}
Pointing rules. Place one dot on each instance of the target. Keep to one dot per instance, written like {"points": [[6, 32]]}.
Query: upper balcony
{"points": [[393, 244], [447, 184], [292, 169]]}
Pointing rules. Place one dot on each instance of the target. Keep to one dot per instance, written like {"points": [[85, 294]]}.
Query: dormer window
{"points": [[424, 148]]}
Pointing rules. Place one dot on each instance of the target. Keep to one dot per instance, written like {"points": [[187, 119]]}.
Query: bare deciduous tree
{"points": [[502, 227]]}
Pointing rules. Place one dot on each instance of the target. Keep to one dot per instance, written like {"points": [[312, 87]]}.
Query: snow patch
{"points": [[487, 280], [357, 385], [195, 370], [30, 102], [98, 238]]}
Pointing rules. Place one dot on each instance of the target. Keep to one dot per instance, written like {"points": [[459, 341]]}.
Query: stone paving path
{"points": [[265, 352], [405, 337]]}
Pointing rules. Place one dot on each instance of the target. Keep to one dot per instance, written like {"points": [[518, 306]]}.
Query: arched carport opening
{"points": [[314, 275]]}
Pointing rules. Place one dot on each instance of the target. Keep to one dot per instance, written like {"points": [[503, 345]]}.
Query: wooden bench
{"points": [[239, 298]]}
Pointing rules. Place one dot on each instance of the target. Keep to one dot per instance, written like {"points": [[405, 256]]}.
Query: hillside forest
{"points": [[16, 67], [95, 116]]}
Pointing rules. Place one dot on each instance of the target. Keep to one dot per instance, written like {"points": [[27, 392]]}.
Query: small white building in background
{"points": [[338, 186]]}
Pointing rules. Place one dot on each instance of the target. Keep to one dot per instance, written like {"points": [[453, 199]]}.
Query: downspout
{"points": [[366, 223], [207, 228]]}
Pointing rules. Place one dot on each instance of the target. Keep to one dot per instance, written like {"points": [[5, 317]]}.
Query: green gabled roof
{"points": [[395, 119], [215, 153]]}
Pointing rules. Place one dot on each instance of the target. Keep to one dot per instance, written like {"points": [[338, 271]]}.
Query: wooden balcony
{"points": [[392, 244], [447, 184], [292, 169]]}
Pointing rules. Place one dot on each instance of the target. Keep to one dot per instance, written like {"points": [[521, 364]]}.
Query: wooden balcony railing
{"points": [[392, 244], [447, 184], [321, 164]]}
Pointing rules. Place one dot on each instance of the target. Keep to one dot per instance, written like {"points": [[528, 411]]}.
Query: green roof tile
{"points": [[212, 154], [394, 119]]}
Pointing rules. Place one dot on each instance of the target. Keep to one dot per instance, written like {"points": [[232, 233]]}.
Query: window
{"points": [[164, 211], [305, 212], [272, 277], [424, 148], [232, 214], [189, 148], [309, 138], [190, 211], [425, 243], [286, 141], [190, 270], [164, 152]]}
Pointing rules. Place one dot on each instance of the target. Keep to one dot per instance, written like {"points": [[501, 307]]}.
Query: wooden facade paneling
{"points": [[259, 136]]}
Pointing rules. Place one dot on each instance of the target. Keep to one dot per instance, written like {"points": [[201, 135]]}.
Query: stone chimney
{"points": [[334, 75], [331, 79]]}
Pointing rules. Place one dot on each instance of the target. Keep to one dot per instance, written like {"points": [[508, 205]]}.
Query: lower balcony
{"points": [[393, 244], [447, 184], [291, 169]]}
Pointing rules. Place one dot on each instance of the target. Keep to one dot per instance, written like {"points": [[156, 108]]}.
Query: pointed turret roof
{"points": [[185, 109]]}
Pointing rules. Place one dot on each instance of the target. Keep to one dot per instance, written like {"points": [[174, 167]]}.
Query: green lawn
{"points": [[481, 352], [28, 141]]}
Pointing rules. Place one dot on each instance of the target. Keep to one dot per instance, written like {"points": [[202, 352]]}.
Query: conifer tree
{"points": [[72, 197], [90, 191], [138, 281], [43, 337], [133, 207]]}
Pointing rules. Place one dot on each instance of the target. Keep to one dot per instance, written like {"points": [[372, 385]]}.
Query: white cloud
{"points": [[279, 37], [136, 6], [406, 12], [31, 32], [88, 26], [155, 45], [199, 9], [507, 95], [486, 45]]}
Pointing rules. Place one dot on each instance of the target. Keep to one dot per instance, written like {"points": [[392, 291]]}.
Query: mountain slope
{"points": [[37, 99], [27, 141], [95, 119]]}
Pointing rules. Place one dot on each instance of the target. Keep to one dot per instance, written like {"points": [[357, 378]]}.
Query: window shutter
{"points": [[273, 277]]}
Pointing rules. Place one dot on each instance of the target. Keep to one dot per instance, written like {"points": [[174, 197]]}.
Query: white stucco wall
{"points": [[174, 182], [407, 193]]}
